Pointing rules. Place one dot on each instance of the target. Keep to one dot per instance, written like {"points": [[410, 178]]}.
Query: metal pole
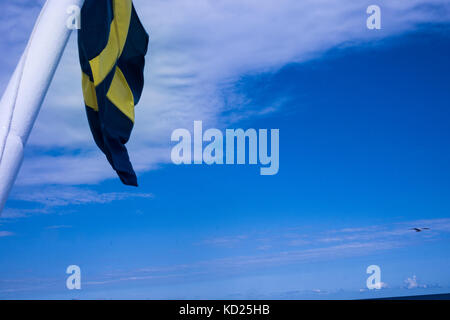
{"points": [[22, 100]]}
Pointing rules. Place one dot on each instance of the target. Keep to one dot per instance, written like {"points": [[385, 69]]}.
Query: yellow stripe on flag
{"points": [[121, 95], [103, 64]]}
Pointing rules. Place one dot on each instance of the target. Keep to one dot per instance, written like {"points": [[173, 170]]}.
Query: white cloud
{"points": [[442, 224], [6, 234], [63, 196], [51, 197], [10, 213], [199, 49], [396, 234], [228, 242], [412, 283], [58, 227], [279, 252]]}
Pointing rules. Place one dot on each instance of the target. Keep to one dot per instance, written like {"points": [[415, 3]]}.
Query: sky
{"points": [[364, 156]]}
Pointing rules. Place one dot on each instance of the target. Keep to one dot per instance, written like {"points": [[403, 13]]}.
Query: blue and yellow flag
{"points": [[112, 45]]}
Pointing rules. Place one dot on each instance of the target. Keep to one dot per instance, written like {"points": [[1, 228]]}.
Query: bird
{"points": [[419, 229]]}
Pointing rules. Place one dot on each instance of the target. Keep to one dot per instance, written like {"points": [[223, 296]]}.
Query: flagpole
{"points": [[24, 95]]}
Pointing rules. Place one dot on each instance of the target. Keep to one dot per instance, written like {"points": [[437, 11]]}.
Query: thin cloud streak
{"points": [[281, 254], [6, 234], [57, 197]]}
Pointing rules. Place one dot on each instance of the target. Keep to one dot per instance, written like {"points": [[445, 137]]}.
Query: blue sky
{"points": [[363, 118]]}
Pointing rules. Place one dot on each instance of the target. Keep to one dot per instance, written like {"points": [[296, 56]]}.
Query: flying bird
{"points": [[419, 229]]}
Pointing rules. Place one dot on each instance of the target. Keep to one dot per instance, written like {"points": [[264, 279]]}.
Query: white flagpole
{"points": [[22, 100]]}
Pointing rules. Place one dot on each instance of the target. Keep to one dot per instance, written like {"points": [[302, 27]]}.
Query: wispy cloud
{"points": [[241, 264], [281, 253], [199, 51], [15, 26], [277, 254], [57, 196], [413, 283], [6, 234], [278, 250], [226, 241], [394, 232], [52, 197], [58, 227]]}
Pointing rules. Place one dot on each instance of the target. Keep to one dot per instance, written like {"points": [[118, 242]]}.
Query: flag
{"points": [[112, 45]]}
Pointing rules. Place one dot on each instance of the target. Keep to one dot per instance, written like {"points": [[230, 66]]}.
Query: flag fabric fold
{"points": [[112, 44], [25, 93]]}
